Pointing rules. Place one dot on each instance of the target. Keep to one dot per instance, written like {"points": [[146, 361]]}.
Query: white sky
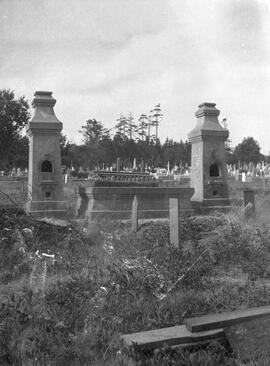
{"points": [[101, 58]]}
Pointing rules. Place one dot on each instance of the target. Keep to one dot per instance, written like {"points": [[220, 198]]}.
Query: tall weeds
{"points": [[72, 311]]}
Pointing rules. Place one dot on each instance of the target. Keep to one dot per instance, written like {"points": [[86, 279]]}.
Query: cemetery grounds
{"points": [[67, 297]]}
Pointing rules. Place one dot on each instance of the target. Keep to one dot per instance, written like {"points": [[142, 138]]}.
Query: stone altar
{"points": [[115, 203]]}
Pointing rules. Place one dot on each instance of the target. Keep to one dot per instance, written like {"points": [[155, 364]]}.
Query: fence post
{"points": [[264, 184], [174, 222], [134, 214]]}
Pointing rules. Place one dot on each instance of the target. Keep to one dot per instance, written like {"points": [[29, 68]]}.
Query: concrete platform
{"points": [[115, 203]]}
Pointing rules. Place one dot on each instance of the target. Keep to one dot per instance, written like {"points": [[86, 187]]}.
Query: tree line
{"points": [[99, 149]]}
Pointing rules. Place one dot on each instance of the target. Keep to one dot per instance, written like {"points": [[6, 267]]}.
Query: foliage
{"points": [[119, 283], [66, 151], [19, 152], [14, 114], [94, 131], [177, 153], [100, 150], [247, 151], [98, 144]]}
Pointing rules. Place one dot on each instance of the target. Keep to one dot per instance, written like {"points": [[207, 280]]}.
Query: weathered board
{"points": [[215, 321], [251, 339], [134, 214], [171, 336], [174, 222]]}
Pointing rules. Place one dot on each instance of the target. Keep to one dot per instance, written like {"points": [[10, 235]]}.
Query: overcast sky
{"points": [[101, 58]]}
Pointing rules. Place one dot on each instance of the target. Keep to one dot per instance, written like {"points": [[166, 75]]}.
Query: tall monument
{"points": [[208, 165], [45, 186]]}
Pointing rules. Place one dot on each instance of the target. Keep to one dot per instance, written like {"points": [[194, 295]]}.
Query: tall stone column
{"points": [[45, 186], [208, 165]]}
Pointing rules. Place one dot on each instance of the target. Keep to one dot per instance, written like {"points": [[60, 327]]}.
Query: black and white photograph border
{"points": [[134, 182]]}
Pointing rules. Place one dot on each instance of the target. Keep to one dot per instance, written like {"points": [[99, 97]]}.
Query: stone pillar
{"points": [[45, 185], [208, 165]]}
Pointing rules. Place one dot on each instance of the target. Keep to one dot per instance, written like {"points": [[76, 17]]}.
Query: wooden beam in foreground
{"points": [[223, 320], [178, 335]]}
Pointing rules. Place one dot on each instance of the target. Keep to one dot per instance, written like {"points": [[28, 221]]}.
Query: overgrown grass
{"points": [[73, 310]]}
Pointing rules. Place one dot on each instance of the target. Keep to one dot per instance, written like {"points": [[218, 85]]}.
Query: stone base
{"points": [[56, 209], [97, 215], [211, 202], [209, 205]]}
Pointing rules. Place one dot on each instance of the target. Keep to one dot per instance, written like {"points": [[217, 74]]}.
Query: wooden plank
{"points": [[200, 344], [209, 322], [134, 214], [174, 222], [171, 336]]}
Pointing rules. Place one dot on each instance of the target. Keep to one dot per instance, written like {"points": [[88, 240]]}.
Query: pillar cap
{"points": [[207, 109], [43, 104], [43, 98], [208, 125]]}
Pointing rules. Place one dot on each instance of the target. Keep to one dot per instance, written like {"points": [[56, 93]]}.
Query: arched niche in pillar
{"points": [[214, 170], [46, 166]]}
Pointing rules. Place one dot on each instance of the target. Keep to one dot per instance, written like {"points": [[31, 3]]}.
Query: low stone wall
{"points": [[115, 203]]}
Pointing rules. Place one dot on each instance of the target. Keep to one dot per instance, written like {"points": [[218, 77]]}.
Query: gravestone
{"points": [[45, 185], [208, 164]]}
